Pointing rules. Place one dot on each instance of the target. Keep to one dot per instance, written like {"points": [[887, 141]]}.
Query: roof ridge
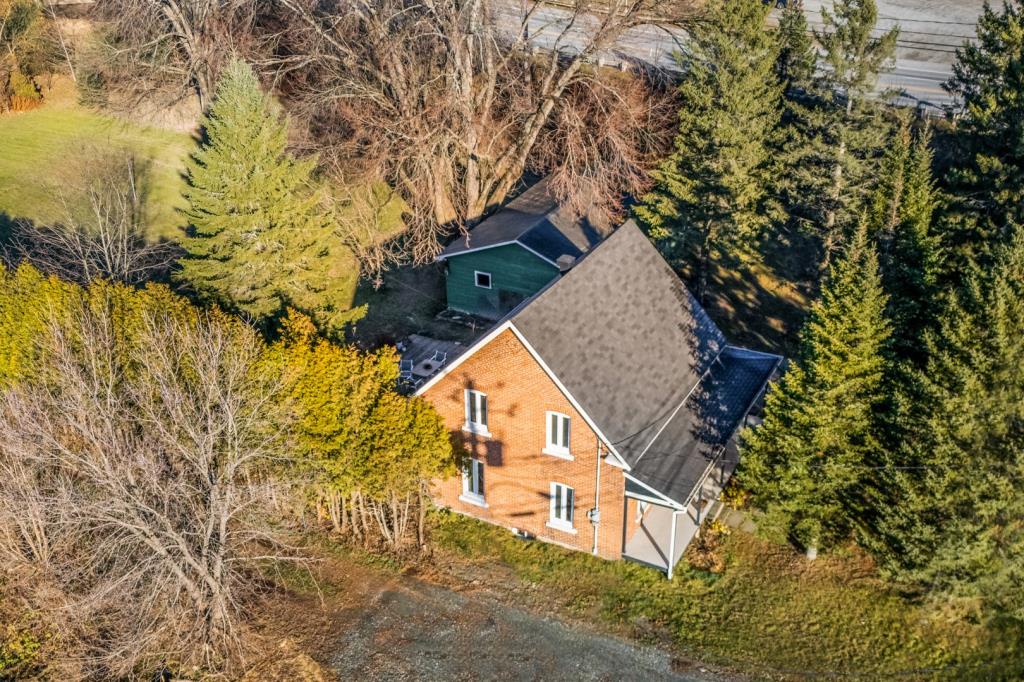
{"points": [[681, 404]]}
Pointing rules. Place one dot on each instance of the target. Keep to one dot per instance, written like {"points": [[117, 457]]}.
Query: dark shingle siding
{"points": [[537, 221]]}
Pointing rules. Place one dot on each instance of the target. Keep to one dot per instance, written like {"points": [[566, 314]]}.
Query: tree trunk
{"points": [[831, 239], [363, 519], [703, 264], [811, 550], [353, 507], [334, 510], [421, 520]]}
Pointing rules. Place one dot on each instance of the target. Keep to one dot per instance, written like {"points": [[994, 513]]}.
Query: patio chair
{"points": [[405, 371], [439, 357]]}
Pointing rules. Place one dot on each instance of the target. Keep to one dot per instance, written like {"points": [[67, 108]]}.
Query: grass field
{"points": [[45, 153], [770, 613]]}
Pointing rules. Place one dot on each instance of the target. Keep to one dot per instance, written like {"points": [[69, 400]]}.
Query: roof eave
{"points": [[443, 256], [617, 458]]}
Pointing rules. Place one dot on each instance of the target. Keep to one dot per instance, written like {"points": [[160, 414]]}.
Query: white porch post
{"points": [[672, 546]]}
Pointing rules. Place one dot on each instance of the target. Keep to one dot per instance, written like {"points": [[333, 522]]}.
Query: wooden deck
{"points": [[417, 348]]}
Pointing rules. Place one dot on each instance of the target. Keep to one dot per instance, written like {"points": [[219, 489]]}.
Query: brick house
{"points": [[601, 413]]}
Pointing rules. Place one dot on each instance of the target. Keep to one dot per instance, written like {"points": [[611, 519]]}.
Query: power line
{"points": [[942, 48], [900, 20], [902, 32]]}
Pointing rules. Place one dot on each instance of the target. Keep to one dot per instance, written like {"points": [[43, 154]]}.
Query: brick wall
{"points": [[631, 523], [517, 474]]}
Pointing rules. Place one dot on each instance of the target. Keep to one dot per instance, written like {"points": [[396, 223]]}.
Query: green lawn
{"points": [[45, 153], [770, 613]]}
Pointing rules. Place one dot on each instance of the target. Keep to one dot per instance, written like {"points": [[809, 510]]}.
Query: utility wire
{"points": [[900, 20]]}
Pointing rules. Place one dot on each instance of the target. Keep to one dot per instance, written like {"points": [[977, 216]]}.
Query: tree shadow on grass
{"points": [[23, 240], [406, 303], [762, 304]]}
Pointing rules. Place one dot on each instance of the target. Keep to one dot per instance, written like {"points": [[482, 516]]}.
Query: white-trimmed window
{"points": [[476, 412], [562, 505], [482, 279], [473, 482], [557, 427]]}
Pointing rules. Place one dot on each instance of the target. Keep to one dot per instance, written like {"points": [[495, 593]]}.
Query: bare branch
{"points": [[102, 234], [448, 100], [134, 480]]}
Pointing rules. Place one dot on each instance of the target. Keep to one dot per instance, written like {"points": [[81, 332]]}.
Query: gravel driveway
{"points": [[416, 631]]}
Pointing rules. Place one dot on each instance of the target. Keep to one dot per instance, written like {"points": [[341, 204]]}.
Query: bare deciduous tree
{"points": [[611, 129], [449, 99], [102, 233], [174, 45], [132, 480]]}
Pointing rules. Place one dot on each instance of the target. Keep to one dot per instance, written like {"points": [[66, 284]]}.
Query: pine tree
{"points": [[805, 463], [709, 195], [956, 524], [836, 131], [901, 220], [259, 239], [887, 200], [911, 255], [852, 55], [797, 58], [988, 76]]}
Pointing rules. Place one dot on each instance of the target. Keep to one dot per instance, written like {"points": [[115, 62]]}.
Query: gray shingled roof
{"points": [[676, 461], [625, 336], [535, 220], [633, 346]]}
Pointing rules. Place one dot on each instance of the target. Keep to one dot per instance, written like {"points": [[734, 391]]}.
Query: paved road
{"points": [[416, 631], [930, 32]]}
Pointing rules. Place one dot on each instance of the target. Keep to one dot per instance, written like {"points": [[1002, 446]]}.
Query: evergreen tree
{"points": [[988, 76], [370, 452], [902, 214], [805, 463], [797, 58], [709, 195], [887, 199], [853, 56], [836, 131], [902, 209], [259, 240], [955, 523]]}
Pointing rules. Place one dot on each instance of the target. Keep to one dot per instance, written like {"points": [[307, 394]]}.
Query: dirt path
{"points": [[380, 626]]}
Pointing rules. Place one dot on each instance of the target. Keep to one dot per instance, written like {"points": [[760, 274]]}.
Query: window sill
{"points": [[476, 430], [560, 454], [561, 527], [473, 500]]}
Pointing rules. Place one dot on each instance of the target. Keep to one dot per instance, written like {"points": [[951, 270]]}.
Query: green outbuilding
{"points": [[516, 252]]}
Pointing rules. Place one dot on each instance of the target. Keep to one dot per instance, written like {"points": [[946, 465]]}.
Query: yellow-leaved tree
{"points": [[370, 452]]}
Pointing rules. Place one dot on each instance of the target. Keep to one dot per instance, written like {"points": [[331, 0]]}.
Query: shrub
{"points": [[19, 651], [704, 552], [25, 93]]}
